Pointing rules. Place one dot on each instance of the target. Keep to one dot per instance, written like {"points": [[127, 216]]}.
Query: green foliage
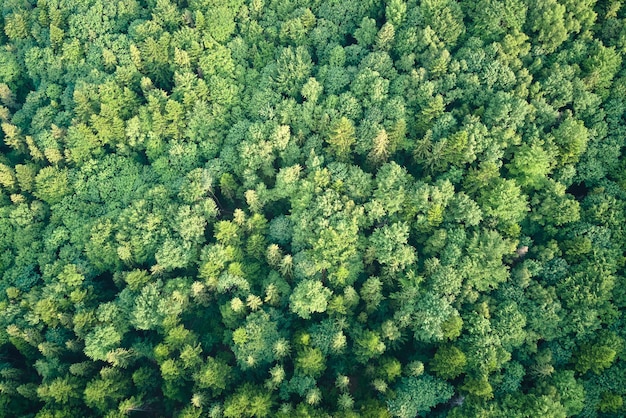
{"points": [[103, 393], [341, 138], [310, 362], [389, 245], [417, 395], [368, 345], [214, 375], [610, 403], [248, 401], [308, 297], [503, 202], [99, 342], [51, 185], [495, 18], [594, 357], [571, 139], [10, 68], [448, 362], [254, 342], [444, 17], [546, 20], [312, 208], [571, 393], [530, 165]]}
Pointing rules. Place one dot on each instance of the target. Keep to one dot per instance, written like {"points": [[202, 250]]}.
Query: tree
{"points": [[214, 374], [602, 66], [293, 69], [530, 166], [571, 139], [417, 395], [380, 148], [495, 18], [10, 68], [60, 390], [341, 138], [248, 401], [254, 342], [51, 185], [444, 17], [310, 361], [308, 297], [504, 203], [104, 392], [594, 357], [569, 392], [547, 21], [368, 345], [384, 39], [100, 341], [371, 293], [389, 246], [610, 403], [145, 314], [553, 206], [366, 33], [448, 362], [484, 267]]}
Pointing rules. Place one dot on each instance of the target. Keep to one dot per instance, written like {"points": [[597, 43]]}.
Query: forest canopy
{"points": [[312, 208]]}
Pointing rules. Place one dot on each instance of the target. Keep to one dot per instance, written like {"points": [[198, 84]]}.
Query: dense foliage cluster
{"points": [[312, 208]]}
